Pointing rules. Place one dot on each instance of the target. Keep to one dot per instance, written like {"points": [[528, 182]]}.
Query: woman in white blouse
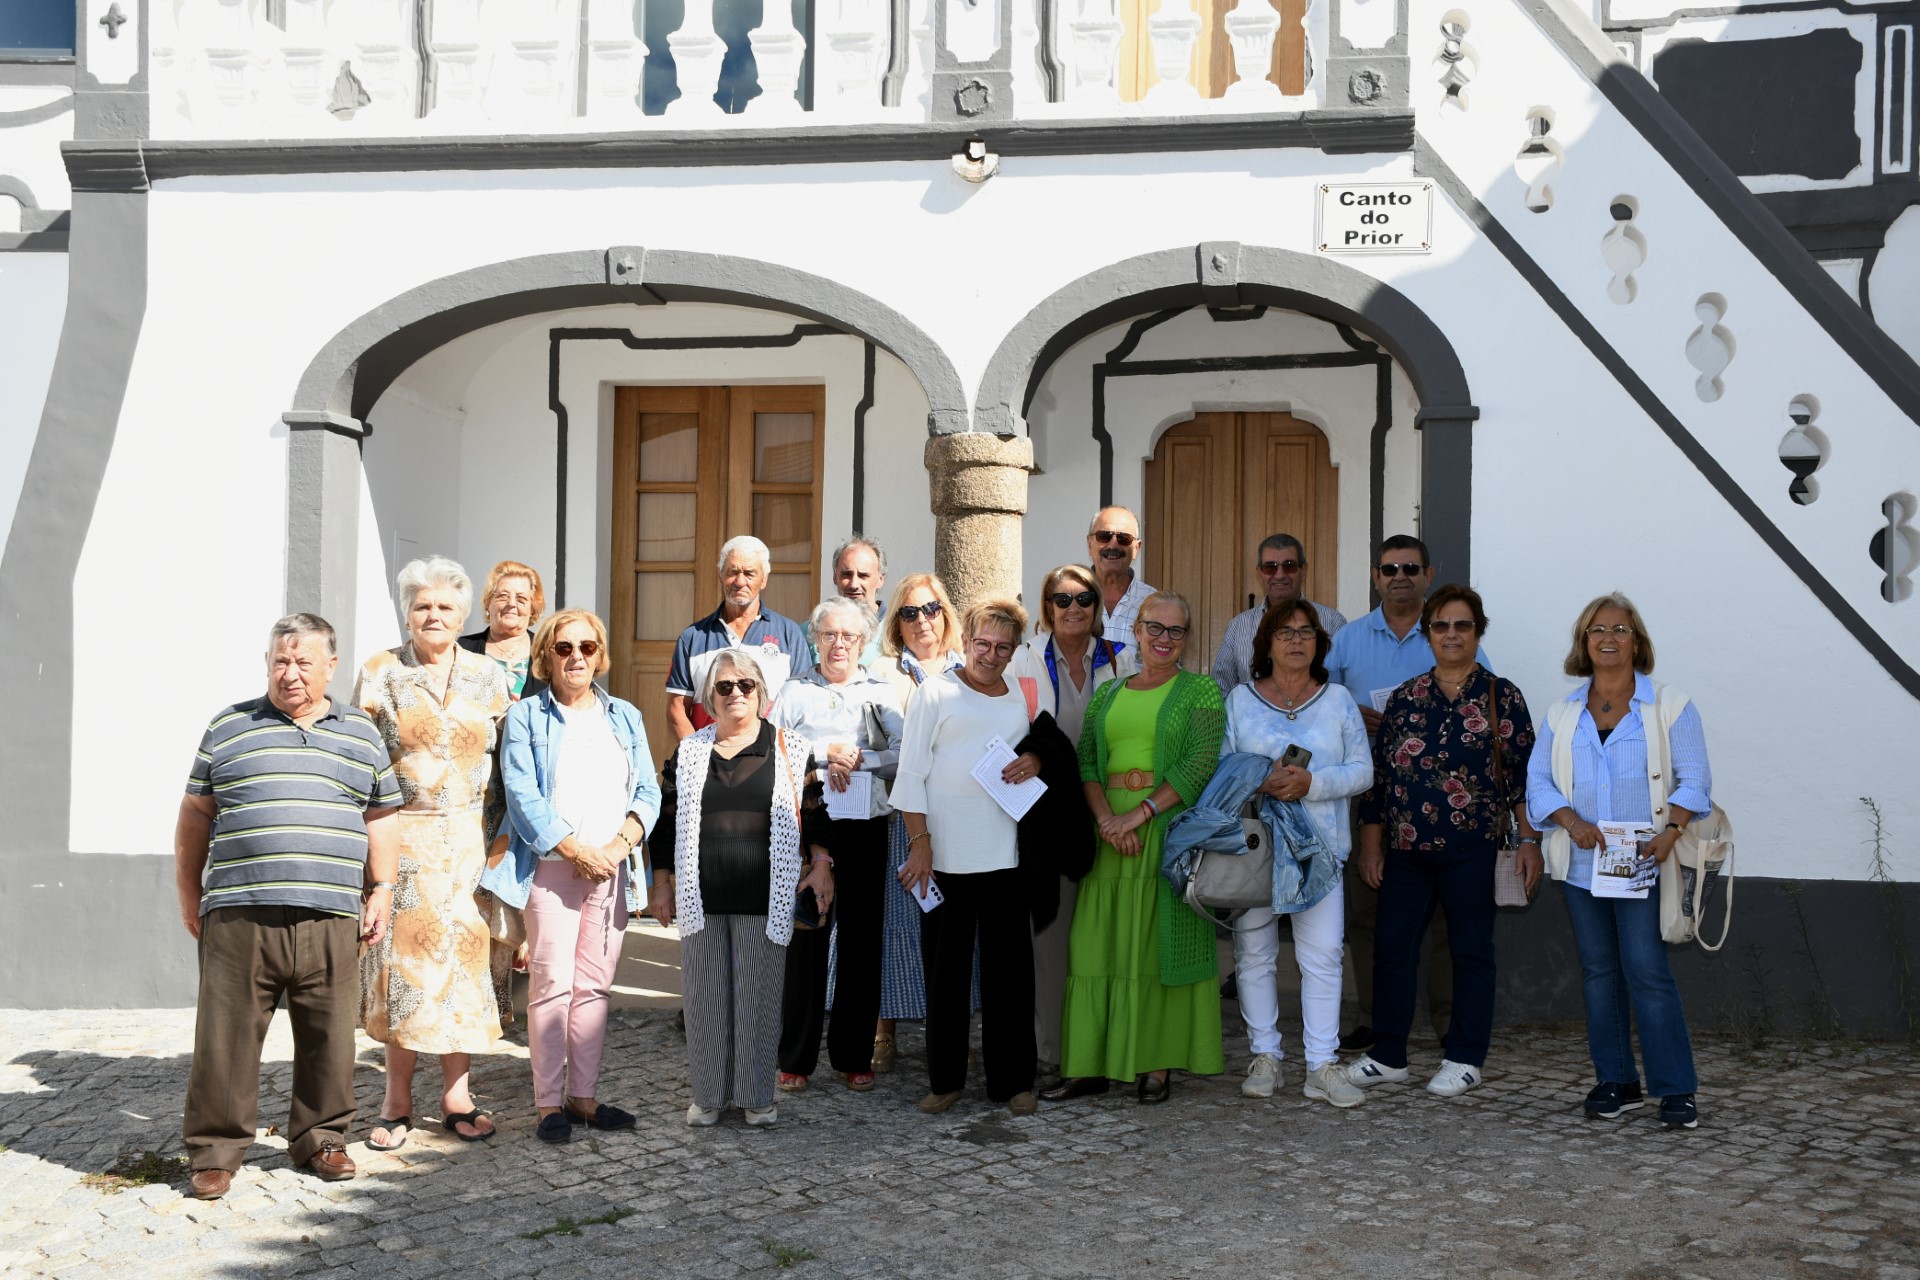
{"points": [[852, 718], [961, 839], [1291, 703]]}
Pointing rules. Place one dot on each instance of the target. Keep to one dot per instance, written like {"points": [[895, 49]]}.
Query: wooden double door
{"points": [[1216, 486], [693, 467]]}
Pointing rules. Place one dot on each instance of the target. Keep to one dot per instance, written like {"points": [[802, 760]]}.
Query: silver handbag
{"points": [[1225, 884]]}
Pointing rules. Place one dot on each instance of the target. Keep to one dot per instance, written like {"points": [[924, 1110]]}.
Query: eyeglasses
{"points": [[1388, 570], [989, 649], [565, 648], [1617, 629], [838, 637], [1458, 626], [1293, 633], [725, 688], [1084, 599], [1104, 536], [908, 612], [1271, 567], [1158, 629]]}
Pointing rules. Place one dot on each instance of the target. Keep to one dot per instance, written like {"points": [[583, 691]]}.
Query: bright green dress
{"points": [[1119, 1018]]}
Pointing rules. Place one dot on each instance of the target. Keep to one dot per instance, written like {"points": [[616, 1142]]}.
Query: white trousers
{"points": [[1319, 933]]}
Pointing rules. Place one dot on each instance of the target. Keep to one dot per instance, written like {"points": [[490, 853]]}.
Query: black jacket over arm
{"points": [[477, 643], [1057, 837]]}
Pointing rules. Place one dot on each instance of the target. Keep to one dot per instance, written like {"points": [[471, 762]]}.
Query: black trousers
{"points": [[992, 907], [859, 907]]}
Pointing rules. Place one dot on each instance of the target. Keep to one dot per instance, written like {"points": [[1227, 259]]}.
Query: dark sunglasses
{"points": [[725, 688], [564, 648], [1459, 626], [1104, 536], [1388, 570], [1271, 567], [908, 612], [1084, 599]]}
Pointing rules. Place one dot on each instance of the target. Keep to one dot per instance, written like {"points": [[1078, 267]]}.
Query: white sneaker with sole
{"points": [[763, 1117], [1329, 1083], [1264, 1075], [1453, 1079], [1366, 1072], [699, 1117]]}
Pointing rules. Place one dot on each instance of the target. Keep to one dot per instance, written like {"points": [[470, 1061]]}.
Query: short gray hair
{"points": [[741, 663], [1281, 541], [860, 540], [301, 625], [434, 573], [749, 544], [869, 623]]}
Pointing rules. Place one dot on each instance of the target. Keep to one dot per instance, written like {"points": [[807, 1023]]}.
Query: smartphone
{"points": [[806, 910], [1295, 757]]}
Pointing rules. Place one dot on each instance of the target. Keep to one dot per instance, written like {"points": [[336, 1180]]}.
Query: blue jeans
{"points": [[1622, 960], [1460, 882]]}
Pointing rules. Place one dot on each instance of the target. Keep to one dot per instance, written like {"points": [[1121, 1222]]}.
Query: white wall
{"points": [[1893, 286], [33, 304]]}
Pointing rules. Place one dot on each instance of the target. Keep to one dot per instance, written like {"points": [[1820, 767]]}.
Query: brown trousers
{"points": [[1363, 906], [249, 958]]}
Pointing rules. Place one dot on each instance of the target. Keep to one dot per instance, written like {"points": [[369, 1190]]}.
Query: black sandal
{"points": [[452, 1125], [404, 1123], [603, 1117]]}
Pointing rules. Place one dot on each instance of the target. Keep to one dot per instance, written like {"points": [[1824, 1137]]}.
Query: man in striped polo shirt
{"points": [[285, 855]]}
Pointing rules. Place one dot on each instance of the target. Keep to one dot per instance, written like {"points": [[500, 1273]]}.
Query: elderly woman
{"points": [[735, 828], [919, 638], [1591, 766], [1290, 703], [1450, 765], [851, 718], [959, 836], [426, 988], [1142, 992], [581, 796], [1068, 660]]}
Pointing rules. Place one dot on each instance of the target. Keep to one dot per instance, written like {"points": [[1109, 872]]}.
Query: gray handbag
{"points": [[1225, 884]]}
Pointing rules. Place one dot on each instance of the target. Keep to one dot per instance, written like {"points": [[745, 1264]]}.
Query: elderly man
{"points": [[1282, 565], [285, 854], [741, 622], [1113, 540], [860, 573]]}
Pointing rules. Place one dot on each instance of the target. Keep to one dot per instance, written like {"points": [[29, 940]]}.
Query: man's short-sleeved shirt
{"points": [[290, 806], [1116, 624], [776, 642]]}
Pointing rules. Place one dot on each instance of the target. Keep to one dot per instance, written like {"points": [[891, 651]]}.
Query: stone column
{"points": [[978, 491]]}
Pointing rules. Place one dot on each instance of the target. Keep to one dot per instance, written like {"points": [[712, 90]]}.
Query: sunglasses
{"points": [[1271, 567], [1388, 570], [1458, 626], [908, 612], [565, 648], [725, 688], [1104, 536], [1084, 599]]}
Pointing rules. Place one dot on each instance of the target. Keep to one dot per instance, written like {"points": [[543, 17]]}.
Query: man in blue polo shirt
{"points": [[777, 643], [1371, 657]]}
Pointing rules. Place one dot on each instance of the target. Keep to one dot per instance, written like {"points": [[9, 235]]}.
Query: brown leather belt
{"points": [[1132, 780]]}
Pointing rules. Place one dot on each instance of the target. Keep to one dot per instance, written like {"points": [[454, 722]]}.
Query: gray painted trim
{"points": [[105, 165], [95, 930], [1878, 356], [38, 71], [1332, 131], [33, 219], [34, 115], [34, 242]]}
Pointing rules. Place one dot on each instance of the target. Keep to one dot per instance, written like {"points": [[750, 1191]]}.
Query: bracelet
{"points": [[1674, 826], [380, 884], [1528, 840], [924, 835], [819, 858], [1147, 803]]}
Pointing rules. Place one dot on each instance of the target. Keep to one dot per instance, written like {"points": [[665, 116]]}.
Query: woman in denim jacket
{"points": [[581, 796]]}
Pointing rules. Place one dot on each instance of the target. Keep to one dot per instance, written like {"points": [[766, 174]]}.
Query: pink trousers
{"points": [[574, 929]]}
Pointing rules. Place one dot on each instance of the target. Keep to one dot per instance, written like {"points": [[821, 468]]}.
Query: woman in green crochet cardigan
{"points": [[1142, 994]]}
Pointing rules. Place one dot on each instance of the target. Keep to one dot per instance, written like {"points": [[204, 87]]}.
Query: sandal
{"points": [[603, 1117], [405, 1127], [452, 1125], [858, 1081], [792, 1083]]}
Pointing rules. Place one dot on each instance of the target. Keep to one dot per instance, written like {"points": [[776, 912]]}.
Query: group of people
{"points": [[834, 862]]}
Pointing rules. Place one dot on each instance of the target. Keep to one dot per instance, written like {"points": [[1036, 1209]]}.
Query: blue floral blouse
{"points": [[1433, 783]]}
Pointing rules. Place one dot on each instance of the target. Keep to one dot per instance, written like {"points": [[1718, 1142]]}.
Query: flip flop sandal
{"points": [[452, 1125], [858, 1081], [404, 1124], [791, 1082], [557, 1127], [604, 1117]]}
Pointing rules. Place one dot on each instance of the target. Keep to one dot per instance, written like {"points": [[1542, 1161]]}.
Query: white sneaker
{"points": [[1453, 1079], [763, 1117], [1366, 1072], [1329, 1083], [1264, 1075], [699, 1117]]}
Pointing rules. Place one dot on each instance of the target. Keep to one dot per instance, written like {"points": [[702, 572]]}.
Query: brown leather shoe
{"points": [[332, 1163], [211, 1184]]}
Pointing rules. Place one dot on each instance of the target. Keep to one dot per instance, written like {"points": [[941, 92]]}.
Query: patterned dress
{"points": [[427, 987]]}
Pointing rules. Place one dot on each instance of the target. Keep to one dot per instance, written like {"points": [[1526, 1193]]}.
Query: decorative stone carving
{"points": [[1252, 27], [1173, 32], [1710, 347], [1623, 249], [973, 97], [1364, 85], [778, 51], [1540, 158], [697, 53], [1803, 449], [1896, 547], [1094, 34], [855, 58], [1457, 59], [978, 492]]}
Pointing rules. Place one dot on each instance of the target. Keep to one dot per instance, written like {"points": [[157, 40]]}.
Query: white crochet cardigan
{"points": [[789, 760]]}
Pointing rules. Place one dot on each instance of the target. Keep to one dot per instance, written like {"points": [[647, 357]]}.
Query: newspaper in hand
{"points": [[1620, 869]]}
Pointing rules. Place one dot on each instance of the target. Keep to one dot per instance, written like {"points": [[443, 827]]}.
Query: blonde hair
{"points": [[1580, 662], [741, 663], [891, 643], [1085, 577], [1000, 612], [514, 569], [541, 663], [1164, 597]]}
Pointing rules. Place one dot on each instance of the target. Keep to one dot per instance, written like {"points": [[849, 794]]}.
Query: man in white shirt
{"points": [[1281, 563], [1113, 540]]}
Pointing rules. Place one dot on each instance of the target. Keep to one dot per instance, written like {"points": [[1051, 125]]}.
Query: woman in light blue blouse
{"points": [[1589, 766], [1291, 703]]}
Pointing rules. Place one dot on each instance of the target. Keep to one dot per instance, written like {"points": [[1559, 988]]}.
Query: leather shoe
{"points": [[1084, 1086], [1154, 1092], [332, 1163], [211, 1184]]}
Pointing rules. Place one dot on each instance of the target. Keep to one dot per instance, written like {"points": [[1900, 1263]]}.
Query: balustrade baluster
{"points": [[385, 64], [779, 51], [855, 59], [1252, 27], [1173, 31], [458, 47], [697, 52], [613, 70], [541, 55], [232, 55], [1093, 52], [303, 54]]}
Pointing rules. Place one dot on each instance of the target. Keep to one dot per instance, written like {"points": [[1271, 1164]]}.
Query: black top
{"points": [[477, 643], [736, 825]]}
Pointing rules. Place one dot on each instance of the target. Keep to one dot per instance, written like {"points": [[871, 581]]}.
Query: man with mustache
{"points": [[1113, 540]]}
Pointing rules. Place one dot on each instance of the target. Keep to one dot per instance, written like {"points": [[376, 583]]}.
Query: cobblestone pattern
{"points": [[1806, 1163]]}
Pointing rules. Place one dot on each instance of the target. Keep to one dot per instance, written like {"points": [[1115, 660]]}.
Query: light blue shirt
{"points": [[1328, 725], [1610, 778], [1366, 656]]}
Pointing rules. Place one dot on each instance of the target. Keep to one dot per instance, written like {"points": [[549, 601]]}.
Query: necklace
{"points": [[1605, 706], [1291, 705], [1459, 686]]}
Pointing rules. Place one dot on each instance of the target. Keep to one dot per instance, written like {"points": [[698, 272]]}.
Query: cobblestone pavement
{"points": [[1806, 1163]]}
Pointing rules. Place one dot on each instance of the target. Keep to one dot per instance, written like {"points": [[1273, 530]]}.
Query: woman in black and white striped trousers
{"points": [[734, 821]]}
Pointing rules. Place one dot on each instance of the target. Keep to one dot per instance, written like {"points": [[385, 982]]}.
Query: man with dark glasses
{"points": [[1281, 565], [1113, 540]]}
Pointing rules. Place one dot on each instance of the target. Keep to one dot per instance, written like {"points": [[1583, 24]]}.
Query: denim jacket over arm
{"points": [[1305, 870], [535, 727]]}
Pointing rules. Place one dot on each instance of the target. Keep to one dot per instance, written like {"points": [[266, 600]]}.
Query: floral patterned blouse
{"points": [[1433, 783]]}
